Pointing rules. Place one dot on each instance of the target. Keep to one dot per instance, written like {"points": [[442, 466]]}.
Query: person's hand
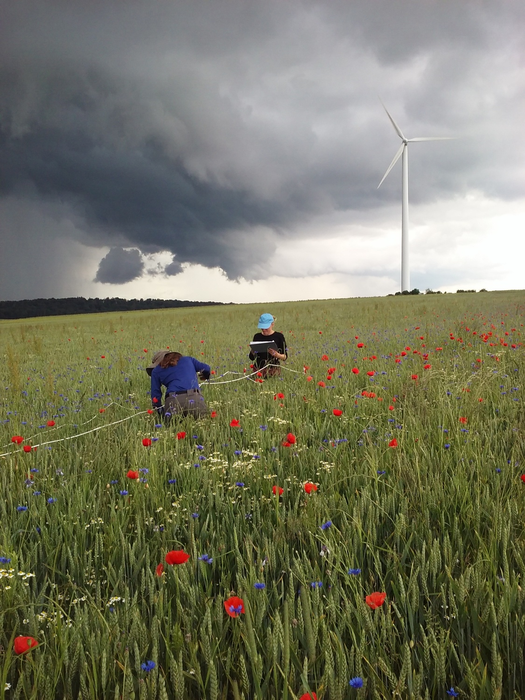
{"points": [[204, 375]]}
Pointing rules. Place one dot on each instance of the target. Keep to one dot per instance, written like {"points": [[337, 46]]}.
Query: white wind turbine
{"points": [[403, 150]]}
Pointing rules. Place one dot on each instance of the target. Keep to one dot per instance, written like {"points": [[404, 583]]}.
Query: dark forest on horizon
{"points": [[30, 308]]}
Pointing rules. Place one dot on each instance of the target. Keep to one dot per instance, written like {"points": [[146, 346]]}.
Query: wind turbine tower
{"points": [[403, 151]]}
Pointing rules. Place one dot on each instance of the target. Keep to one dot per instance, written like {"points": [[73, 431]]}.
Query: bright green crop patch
{"points": [[403, 420]]}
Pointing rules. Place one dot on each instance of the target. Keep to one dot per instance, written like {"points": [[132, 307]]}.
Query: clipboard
{"points": [[261, 347]]}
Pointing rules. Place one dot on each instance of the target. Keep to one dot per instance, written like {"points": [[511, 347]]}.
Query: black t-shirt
{"points": [[263, 358]]}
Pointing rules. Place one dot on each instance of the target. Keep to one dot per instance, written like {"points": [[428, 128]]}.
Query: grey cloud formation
{"points": [[120, 266], [174, 268], [217, 130]]}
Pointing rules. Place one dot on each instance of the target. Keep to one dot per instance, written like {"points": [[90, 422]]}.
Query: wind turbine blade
{"points": [[433, 138], [396, 158], [398, 130]]}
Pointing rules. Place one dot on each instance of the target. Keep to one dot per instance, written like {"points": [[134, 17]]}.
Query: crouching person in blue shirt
{"points": [[178, 373]]}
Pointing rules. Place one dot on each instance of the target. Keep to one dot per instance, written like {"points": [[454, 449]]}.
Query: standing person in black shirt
{"points": [[268, 362]]}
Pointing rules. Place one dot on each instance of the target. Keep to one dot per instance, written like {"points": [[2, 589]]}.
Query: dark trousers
{"points": [[191, 403]]}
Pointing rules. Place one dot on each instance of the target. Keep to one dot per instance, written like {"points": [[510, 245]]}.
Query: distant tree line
{"points": [[28, 308], [430, 291]]}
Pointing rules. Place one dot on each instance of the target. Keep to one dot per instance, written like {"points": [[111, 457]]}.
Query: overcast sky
{"points": [[231, 150]]}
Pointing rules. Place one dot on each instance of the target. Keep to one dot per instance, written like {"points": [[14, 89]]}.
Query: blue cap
{"points": [[265, 321]]}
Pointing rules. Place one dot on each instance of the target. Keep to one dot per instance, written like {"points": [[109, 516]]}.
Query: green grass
{"points": [[436, 522]]}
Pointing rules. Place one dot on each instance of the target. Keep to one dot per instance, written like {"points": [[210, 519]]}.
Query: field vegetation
{"points": [[351, 529]]}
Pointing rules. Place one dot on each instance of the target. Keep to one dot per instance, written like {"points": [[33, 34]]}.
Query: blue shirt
{"points": [[179, 378]]}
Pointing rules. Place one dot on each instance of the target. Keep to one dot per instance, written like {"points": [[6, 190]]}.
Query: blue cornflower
{"points": [[144, 470], [4, 560], [114, 481], [236, 609], [354, 572], [263, 427], [447, 445], [51, 500], [238, 452], [316, 584], [37, 493], [21, 508], [205, 558], [381, 472], [123, 493], [326, 525], [158, 425], [240, 484], [259, 586], [452, 693], [498, 470], [172, 481], [356, 682], [202, 457], [194, 515], [148, 666], [34, 470]]}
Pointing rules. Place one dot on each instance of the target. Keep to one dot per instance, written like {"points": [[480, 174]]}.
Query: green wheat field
{"points": [[413, 488]]}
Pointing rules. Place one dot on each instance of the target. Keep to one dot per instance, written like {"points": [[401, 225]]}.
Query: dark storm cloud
{"points": [[214, 130], [174, 268], [120, 266]]}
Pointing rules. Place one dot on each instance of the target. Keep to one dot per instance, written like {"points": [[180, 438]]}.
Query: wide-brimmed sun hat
{"points": [[156, 359], [265, 321]]}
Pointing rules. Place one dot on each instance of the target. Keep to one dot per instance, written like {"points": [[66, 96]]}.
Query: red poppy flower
{"points": [[427, 366], [375, 600], [23, 644], [213, 414], [355, 370], [291, 438], [390, 408], [274, 490], [393, 443], [331, 370], [370, 372], [309, 487], [278, 396], [321, 384], [27, 448], [234, 606], [132, 474], [150, 411], [159, 570], [155, 399], [414, 376], [309, 379], [337, 412], [463, 419], [308, 696], [102, 357], [146, 442], [329, 377], [325, 358], [360, 345], [181, 435], [176, 556], [234, 423], [101, 410], [17, 439], [50, 423]]}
